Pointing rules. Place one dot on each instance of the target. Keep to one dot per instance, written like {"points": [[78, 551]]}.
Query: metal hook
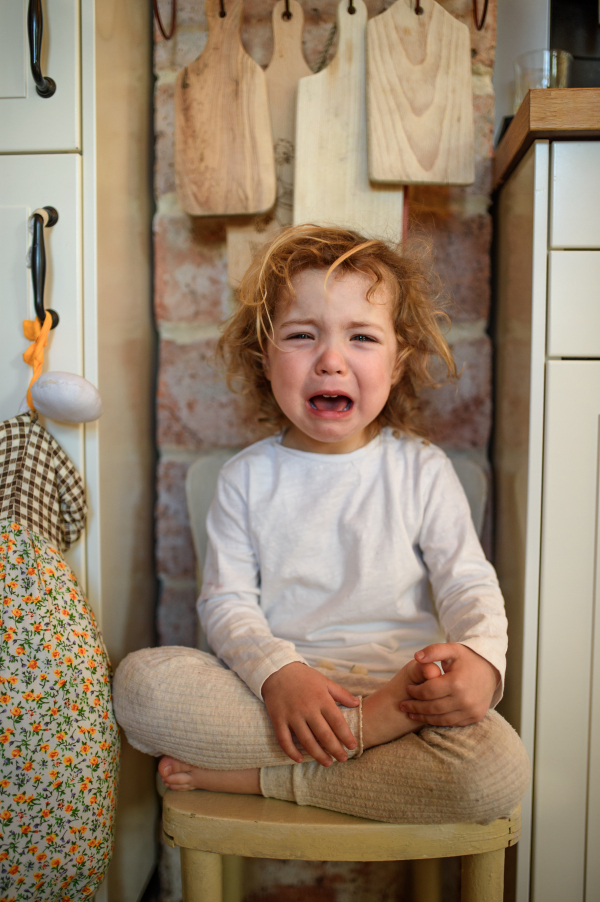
{"points": [[479, 23], [222, 12], [351, 7], [38, 261], [169, 35], [418, 8], [287, 14]]}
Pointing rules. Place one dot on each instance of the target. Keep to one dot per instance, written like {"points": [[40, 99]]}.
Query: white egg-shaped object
{"points": [[67, 398]]}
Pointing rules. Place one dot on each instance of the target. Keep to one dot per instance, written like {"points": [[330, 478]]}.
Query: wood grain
{"points": [[283, 73], [564, 113], [332, 179], [419, 95], [223, 146]]}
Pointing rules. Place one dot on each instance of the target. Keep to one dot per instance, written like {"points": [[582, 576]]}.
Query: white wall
{"points": [[522, 25]]}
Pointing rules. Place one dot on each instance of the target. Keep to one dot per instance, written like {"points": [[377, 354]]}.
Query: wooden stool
{"points": [[207, 825]]}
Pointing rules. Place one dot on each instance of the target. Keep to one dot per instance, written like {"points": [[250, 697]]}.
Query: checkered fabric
{"points": [[39, 486]]}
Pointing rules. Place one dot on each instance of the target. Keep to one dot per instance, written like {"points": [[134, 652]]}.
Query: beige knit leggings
{"points": [[186, 703]]}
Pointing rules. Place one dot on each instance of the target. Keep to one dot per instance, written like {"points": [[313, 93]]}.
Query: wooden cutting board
{"points": [[419, 95], [332, 181], [223, 147], [286, 68]]}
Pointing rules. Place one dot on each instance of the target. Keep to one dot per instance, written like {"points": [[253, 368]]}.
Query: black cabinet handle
{"points": [[39, 218], [44, 85]]}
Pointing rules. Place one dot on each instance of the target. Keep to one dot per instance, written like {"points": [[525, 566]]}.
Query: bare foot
{"points": [[383, 720], [183, 777]]}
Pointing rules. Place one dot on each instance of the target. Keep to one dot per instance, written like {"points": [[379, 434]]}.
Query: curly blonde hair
{"points": [[417, 315]]}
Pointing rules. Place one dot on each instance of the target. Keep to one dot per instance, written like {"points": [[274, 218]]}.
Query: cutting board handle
{"points": [[223, 25]]}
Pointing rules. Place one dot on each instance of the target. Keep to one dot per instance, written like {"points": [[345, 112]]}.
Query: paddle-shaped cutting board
{"points": [[332, 181], [420, 103], [223, 147], [286, 68]]}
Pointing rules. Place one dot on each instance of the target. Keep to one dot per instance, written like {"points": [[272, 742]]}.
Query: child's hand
{"points": [[461, 696], [301, 700]]}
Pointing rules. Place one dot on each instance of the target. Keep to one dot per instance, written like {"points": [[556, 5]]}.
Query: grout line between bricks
{"points": [[187, 333]]}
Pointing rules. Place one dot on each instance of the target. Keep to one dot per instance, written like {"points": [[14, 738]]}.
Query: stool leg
{"points": [[201, 876], [483, 877], [427, 879]]}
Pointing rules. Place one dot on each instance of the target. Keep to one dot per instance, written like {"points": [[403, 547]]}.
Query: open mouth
{"points": [[336, 403]]}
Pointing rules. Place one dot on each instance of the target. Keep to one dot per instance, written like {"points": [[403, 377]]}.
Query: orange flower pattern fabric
{"points": [[59, 739]]}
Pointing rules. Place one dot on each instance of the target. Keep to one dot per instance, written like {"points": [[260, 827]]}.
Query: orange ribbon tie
{"points": [[34, 355]]}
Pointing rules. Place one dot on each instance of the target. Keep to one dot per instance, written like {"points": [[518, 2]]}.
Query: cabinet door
{"points": [[566, 806], [28, 182], [29, 122], [575, 180], [574, 304]]}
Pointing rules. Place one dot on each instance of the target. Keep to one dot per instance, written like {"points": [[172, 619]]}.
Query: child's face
{"points": [[333, 361]]}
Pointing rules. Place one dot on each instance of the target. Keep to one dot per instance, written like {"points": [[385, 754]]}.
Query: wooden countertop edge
{"points": [[567, 113]]}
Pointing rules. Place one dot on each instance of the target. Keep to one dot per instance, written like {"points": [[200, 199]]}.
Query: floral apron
{"points": [[58, 735]]}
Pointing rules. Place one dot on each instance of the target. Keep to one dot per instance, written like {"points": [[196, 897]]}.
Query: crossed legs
{"points": [[187, 706]]}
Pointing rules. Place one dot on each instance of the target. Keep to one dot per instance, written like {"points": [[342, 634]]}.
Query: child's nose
{"points": [[331, 362]]}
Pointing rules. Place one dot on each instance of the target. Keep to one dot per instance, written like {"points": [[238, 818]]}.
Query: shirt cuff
{"points": [[254, 674], [488, 649]]}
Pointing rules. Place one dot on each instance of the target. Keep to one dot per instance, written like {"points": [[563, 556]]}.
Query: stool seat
{"points": [[206, 825]]}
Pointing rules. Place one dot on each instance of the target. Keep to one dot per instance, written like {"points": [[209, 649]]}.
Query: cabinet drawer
{"points": [[29, 122], [575, 207], [574, 304]]}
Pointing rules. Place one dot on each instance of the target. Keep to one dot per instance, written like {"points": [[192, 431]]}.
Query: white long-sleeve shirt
{"points": [[337, 556]]}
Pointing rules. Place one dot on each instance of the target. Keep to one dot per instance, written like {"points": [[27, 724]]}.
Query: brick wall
{"points": [[195, 411]]}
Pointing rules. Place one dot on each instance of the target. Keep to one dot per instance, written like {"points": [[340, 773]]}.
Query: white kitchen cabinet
{"points": [[546, 455], [575, 189], [29, 122], [27, 182], [99, 282], [574, 304]]}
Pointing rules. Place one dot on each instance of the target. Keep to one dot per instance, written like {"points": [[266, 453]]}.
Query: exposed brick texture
{"points": [[174, 546], [195, 409], [177, 622], [461, 249], [190, 270], [459, 415]]}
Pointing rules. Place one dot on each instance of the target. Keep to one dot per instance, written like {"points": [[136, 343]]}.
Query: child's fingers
{"points": [[431, 671], [441, 651], [341, 695], [342, 731], [285, 740], [328, 740], [307, 740], [432, 706], [438, 688]]}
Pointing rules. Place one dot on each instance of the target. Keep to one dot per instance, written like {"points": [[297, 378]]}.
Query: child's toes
{"points": [[168, 766], [181, 781]]}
